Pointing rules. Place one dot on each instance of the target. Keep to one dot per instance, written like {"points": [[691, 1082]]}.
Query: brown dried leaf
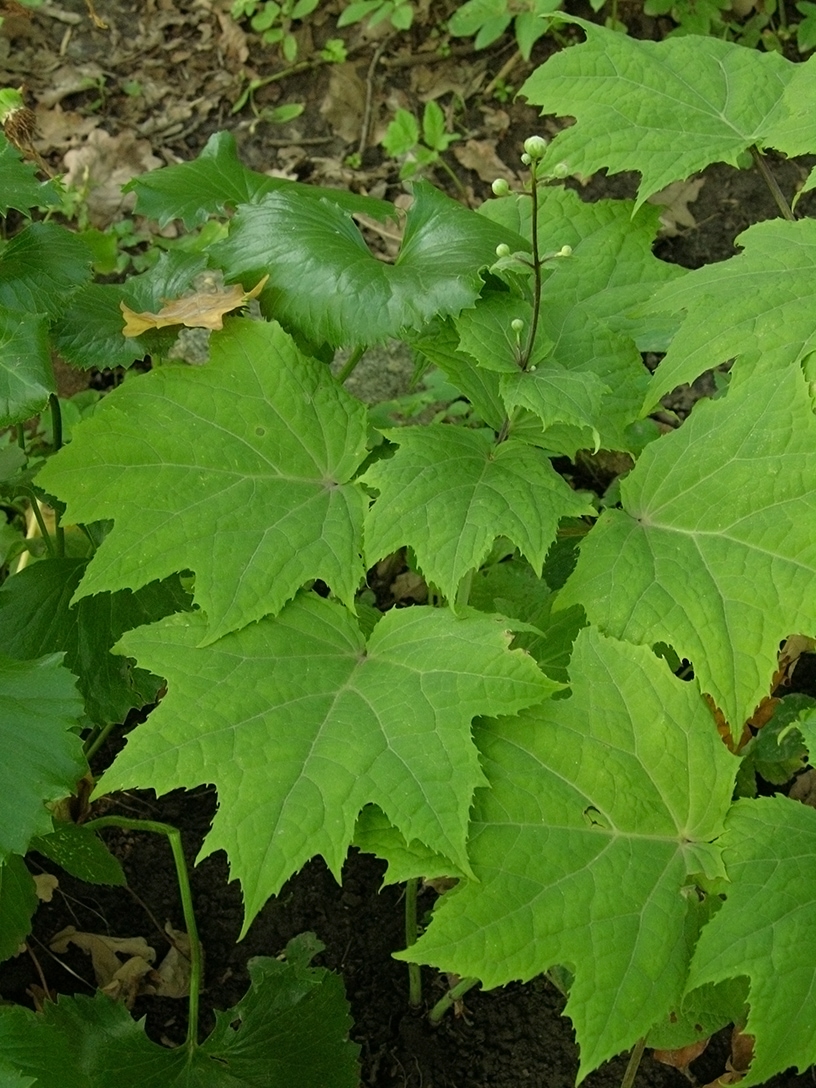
{"points": [[674, 201], [344, 104], [45, 885], [104, 951], [481, 157], [102, 166], [201, 310], [682, 1057], [172, 977]]}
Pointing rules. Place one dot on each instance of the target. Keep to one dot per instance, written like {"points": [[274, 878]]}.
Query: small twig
{"points": [[505, 70], [408, 60], [369, 98]]}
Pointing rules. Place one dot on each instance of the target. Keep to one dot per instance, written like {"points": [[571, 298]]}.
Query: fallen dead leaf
{"points": [[344, 103], [674, 201], [481, 157], [682, 1057], [201, 310], [102, 166], [172, 977], [45, 884], [119, 980]]}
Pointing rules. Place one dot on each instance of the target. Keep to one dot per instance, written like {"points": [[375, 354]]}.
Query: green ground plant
{"points": [[528, 737]]}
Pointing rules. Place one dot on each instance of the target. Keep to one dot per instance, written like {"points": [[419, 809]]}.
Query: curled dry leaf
{"points": [[117, 979], [682, 1057], [45, 885], [202, 310]]}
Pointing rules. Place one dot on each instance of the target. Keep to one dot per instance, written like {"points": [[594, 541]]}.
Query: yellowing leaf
{"points": [[202, 310]]}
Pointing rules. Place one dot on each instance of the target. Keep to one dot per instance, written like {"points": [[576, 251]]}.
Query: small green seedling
{"points": [[487, 20], [400, 13], [273, 20], [403, 139]]}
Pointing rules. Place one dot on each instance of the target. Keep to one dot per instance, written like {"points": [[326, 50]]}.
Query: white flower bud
{"points": [[500, 187], [525, 158], [560, 170], [535, 146], [502, 250], [564, 251], [516, 324]]}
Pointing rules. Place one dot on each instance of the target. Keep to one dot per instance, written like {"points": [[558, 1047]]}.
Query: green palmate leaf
{"points": [[375, 834], [89, 332], [758, 305], [290, 1028], [217, 181], [438, 343], [449, 492], [42, 756], [600, 807], [714, 97], [324, 280], [299, 723], [18, 901], [765, 930], [40, 267], [794, 127], [19, 188], [589, 372], [37, 618], [713, 551], [238, 471], [26, 376], [81, 853]]}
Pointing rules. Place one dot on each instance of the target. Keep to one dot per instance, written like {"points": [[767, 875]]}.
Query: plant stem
{"points": [[97, 739], [21, 437], [56, 441], [634, 1063], [451, 997], [772, 184], [463, 592], [528, 351], [35, 507], [351, 363], [174, 836], [414, 973]]}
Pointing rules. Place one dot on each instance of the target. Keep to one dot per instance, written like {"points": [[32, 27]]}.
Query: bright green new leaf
{"points": [[299, 723], [18, 901], [324, 280], [599, 810], [19, 188], [42, 755], [37, 618], [438, 343], [758, 304], [715, 98], [290, 1029], [794, 127], [766, 931], [714, 551], [40, 267], [449, 492], [217, 181], [26, 375], [238, 470]]}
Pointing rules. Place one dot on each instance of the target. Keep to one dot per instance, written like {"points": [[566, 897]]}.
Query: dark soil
{"points": [[191, 73]]}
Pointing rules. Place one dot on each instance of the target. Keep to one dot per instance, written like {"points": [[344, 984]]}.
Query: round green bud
{"points": [[564, 251], [502, 249], [516, 324], [500, 187], [525, 158], [560, 170], [535, 146]]}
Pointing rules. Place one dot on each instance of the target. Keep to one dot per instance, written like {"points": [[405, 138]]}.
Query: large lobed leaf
{"points": [[715, 98], [289, 1029], [757, 305], [449, 492], [42, 754], [238, 470], [299, 723], [599, 810], [26, 374], [766, 931], [714, 551], [19, 188], [324, 280], [217, 181]]}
